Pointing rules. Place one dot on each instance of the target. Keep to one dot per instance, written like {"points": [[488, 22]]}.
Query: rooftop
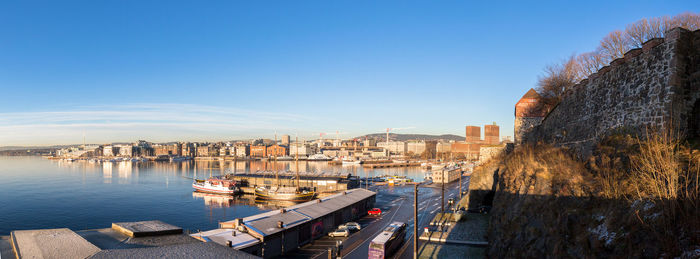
{"points": [[144, 239], [266, 224]]}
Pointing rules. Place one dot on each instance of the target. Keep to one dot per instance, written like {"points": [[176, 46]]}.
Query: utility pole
{"points": [[415, 221], [442, 204], [460, 184]]}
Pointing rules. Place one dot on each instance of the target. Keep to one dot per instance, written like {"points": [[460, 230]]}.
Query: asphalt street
{"points": [[396, 203]]}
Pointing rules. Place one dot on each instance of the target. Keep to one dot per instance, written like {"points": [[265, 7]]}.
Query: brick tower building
{"points": [[529, 112]]}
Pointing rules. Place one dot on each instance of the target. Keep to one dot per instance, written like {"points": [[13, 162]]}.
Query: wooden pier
{"points": [[391, 165]]}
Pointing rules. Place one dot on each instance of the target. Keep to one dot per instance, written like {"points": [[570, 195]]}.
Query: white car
{"points": [[340, 232], [352, 225]]}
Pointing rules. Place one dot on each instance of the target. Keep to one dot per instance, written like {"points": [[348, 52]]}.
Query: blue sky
{"points": [[192, 70]]}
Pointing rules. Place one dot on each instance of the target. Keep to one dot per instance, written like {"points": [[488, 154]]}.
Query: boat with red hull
{"points": [[216, 185]]}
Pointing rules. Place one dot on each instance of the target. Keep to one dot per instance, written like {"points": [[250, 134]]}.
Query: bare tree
{"points": [[561, 77], [557, 79], [638, 33], [655, 28], [615, 44], [589, 63], [668, 23], [688, 21]]}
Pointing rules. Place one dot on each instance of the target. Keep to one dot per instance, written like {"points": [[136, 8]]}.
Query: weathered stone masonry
{"points": [[652, 87]]}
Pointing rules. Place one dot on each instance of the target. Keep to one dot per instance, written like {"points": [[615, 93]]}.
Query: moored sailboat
{"points": [[286, 193]]}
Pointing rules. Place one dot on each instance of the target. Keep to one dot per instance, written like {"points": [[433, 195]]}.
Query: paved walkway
{"points": [[471, 229]]}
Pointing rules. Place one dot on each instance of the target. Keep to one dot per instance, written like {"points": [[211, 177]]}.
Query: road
{"points": [[396, 204]]}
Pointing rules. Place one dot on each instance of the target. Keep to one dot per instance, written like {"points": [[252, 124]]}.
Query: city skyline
{"points": [[124, 71]]}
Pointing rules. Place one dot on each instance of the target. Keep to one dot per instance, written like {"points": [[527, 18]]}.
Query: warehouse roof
{"points": [[267, 223]]}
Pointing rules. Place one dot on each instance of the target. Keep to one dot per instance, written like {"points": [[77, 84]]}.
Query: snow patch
{"points": [[652, 216], [603, 234], [691, 254], [644, 204]]}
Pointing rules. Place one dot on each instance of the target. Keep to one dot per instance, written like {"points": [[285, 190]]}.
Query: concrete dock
{"points": [[51, 243], [146, 228], [144, 239]]}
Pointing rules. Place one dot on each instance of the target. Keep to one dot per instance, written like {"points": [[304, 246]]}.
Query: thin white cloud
{"points": [[157, 122]]}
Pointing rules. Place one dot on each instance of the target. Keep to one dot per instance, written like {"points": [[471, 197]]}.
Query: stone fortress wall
{"points": [[652, 87]]}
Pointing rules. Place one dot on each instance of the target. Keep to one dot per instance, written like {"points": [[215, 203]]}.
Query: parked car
{"points": [[340, 232], [375, 212], [352, 226]]}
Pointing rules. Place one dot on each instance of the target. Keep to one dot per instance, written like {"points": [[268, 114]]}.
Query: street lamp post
{"points": [[442, 203], [415, 221], [460, 184]]}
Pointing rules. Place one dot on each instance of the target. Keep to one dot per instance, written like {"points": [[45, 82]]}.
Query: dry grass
{"points": [[661, 169], [666, 170]]}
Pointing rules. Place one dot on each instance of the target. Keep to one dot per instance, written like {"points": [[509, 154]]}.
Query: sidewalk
{"points": [[462, 239]]}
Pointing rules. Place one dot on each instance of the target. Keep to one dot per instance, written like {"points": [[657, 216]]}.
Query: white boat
{"points": [[216, 185], [351, 162], [285, 158], [318, 157]]}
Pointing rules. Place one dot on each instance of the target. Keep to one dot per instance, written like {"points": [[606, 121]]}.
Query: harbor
{"points": [[263, 228], [132, 189]]}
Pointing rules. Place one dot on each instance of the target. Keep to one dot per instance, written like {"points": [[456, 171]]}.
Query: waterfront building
{"points": [[188, 149], [394, 147], [125, 150], [418, 148], [107, 150], [258, 151], [203, 151], [242, 150], [446, 175], [227, 150], [167, 150], [443, 147], [415, 147], [277, 151], [370, 142], [301, 149]]}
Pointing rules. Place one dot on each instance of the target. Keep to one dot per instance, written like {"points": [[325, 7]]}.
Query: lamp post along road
{"points": [[442, 203], [460, 184], [415, 221]]}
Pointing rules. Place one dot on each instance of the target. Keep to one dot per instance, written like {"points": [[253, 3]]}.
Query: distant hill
{"points": [[6, 148], [404, 137]]}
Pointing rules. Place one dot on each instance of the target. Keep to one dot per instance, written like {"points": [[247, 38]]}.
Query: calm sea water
{"points": [[39, 193]]}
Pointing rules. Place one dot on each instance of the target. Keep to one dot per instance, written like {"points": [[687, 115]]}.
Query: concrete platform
{"points": [[195, 250], [146, 228], [107, 238], [51, 243]]}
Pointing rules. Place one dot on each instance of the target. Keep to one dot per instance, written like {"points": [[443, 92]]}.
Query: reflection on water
{"points": [[214, 200], [204, 169], [221, 201], [39, 193]]}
